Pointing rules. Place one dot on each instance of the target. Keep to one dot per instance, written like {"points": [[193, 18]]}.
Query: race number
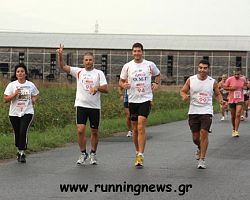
{"points": [[202, 97], [237, 94]]}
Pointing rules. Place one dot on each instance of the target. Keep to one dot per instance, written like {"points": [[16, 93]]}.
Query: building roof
{"points": [[125, 41]]}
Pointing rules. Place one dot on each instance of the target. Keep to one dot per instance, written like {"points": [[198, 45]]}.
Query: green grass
{"points": [[58, 137]]}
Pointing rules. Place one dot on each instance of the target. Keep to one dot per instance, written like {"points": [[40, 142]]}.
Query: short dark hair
{"points": [[205, 62], [88, 54], [137, 45], [13, 77], [237, 69]]}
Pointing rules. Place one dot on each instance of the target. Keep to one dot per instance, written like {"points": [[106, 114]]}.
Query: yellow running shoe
{"points": [[139, 160], [233, 133], [236, 133]]}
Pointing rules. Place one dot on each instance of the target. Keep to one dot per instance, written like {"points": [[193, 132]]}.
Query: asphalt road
{"points": [[169, 164]]}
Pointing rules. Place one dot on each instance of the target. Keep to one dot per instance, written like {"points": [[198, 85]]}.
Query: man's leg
{"points": [[141, 133], [94, 119], [203, 143], [135, 135], [128, 121], [94, 139], [238, 111], [81, 138], [233, 117], [196, 140], [94, 143], [222, 112]]}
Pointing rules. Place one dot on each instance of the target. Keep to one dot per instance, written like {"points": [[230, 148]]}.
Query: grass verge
{"points": [[58, 137]]}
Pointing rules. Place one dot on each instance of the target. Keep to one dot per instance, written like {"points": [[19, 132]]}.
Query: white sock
{"points": [[21, 152], [140, 154]]}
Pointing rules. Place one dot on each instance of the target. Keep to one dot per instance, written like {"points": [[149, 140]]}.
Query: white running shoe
{"points": [[82, 159], [222, 118], [130, 134], [93, 160], [201, 164]]}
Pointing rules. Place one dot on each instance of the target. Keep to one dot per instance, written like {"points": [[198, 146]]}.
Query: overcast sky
{"points": [[182, 17]]}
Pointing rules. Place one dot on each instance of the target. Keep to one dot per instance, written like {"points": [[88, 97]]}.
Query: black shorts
{"points": [[246, 97], [139, 109], [83, 114], [199, 121], [233, 105]]}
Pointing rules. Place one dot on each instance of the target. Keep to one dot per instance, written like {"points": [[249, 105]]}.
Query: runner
{"points": [[201, 88], [22, 95], [244, 113], [235, 85], [90, 83], [136, 77], [224, 94]]}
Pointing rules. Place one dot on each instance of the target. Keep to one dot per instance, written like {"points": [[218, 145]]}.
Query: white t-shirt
{"points": [[201, 95], [139, 77], [85, 81], [21, 104]]}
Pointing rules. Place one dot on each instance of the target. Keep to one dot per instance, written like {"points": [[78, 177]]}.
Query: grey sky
{"points": [[184, 17]]}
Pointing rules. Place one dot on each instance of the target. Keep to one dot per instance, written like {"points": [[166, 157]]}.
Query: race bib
{"points": [[237, 94], [202, 97], [21, 106], [140, 88], [23, 101], [88, 84]]}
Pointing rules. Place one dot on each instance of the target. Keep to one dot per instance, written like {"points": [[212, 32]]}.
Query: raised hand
{"points": [[60, 50]]}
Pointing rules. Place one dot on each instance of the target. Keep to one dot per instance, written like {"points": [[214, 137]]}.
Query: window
{"points": [[52, 63], [238, 61], [104, 64], [170, 66], [21, 57]]}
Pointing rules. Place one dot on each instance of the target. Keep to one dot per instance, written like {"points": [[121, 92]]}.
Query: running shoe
{"points": [[201, 164], [139, 160], [233, 133], [222, 118], [23, 158], [82, 159], [236, 134], [130, 134], [18, 157], [93, 160], [242, 118]]}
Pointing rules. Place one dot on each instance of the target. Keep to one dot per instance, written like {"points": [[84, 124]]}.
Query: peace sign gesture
{"points": [[60, 50]]}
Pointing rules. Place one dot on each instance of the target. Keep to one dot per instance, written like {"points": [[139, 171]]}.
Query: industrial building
{"points": [[176, 56]]}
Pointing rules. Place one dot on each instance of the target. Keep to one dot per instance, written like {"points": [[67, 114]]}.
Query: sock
{"points": [[21, 152], [140, 154], [92, 151], [84, 151]]}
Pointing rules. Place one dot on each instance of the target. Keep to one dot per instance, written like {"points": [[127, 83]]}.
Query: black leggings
{"points": [[20, 126]]}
